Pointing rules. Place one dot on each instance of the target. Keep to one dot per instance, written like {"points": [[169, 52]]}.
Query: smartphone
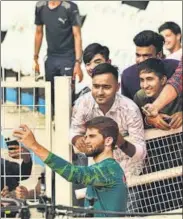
{"points": [[145, 111], [9, 139], [167, 120]]}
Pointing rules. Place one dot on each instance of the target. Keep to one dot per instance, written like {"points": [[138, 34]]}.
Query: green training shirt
{"points": [[105, 182]]}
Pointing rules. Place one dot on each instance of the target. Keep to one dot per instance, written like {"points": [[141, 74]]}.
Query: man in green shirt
{"points": [[105, 179], [152, 80]]}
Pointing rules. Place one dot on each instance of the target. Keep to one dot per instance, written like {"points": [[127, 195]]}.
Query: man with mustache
{"points": [[104, 100], [105, 179]]}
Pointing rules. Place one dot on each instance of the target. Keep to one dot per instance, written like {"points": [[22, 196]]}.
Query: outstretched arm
{"points": [[93, 175], [172, 89]]}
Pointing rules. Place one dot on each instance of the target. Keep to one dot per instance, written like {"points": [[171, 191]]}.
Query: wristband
{"points": [[78, 60]]}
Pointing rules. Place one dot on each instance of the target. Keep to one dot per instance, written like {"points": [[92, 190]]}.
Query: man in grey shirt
{"points": [[63, 36]]}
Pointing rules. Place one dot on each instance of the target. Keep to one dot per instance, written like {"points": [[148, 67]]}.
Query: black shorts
{"points": [[57, 65]]}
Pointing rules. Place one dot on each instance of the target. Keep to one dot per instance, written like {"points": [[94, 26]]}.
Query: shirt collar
{"points": [[113, 107]]}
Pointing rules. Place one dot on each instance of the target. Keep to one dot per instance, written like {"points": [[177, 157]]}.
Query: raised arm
{"points": [[76, 29], [172, 89], [77, 174]]}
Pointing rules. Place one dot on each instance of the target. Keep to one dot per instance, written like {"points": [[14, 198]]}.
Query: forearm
{"points": [[128, 148], [40, 151], [79, 174], [38, 43], [78, 46], [167, 95]]}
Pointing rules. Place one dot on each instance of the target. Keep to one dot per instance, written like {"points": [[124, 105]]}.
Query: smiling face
{"points": [[96, 60], [94, 142], [151, 83], [171, 40], [104, 88]]}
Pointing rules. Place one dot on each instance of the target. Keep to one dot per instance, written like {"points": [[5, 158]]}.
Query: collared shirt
{"points": [[128, 117], [175, 55], [176, 79]]}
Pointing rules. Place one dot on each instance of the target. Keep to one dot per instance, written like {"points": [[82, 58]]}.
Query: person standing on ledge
{"points": [[63, 35]]}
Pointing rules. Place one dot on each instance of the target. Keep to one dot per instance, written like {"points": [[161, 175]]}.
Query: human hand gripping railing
{"points": [[15, 206], [58, 210]]}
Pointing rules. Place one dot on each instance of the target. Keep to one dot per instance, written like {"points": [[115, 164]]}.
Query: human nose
{"points": [[86, 140], [100, 90], [145, 84]]}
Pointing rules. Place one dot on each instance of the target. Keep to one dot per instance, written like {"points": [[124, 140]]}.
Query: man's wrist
{"points": [[78, 61], [36, 57], [156, 106], [33, 146], [146, 121]]}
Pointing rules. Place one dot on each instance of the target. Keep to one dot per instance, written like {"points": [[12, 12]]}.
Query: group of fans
{"points": [[101, 115]]}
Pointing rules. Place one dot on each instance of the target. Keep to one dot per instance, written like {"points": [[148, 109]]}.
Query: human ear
{"points": [[109, 61], [163, 80], [108, 141], [179, 37], [118, 86]]}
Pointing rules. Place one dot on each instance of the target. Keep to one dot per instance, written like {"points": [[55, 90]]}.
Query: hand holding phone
{"points": [[145, 111], [167, 120]]}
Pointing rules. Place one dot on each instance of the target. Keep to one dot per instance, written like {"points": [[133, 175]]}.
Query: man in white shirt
{"points": [[104, 100], [172, 34]]}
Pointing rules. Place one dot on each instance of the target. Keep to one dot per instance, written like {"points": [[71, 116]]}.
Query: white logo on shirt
{"points": [[67, 68], [62, 20]]}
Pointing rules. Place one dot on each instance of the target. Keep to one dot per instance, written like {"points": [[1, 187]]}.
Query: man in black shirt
{"points": [[63, 36], [149, 44], [12, 172]]}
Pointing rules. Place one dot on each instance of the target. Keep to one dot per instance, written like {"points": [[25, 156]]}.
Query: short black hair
{"points": [[148, 38], [94, 49], [175, 28], [106, 126], [152, 65], [104, 68]]}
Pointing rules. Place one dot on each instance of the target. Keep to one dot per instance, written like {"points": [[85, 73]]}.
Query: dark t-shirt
{"points": [[175, 106], [10, 172], [58, 24], [130, 82]]}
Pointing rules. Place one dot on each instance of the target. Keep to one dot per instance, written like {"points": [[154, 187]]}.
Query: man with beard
{"points": [[104, 100], [105, 179]]}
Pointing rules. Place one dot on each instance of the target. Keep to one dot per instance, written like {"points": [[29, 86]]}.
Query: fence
{"points": [[157, 189]]}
